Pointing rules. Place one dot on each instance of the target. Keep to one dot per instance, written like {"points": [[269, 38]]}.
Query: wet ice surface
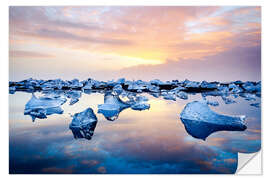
{"points": [[118, 131]]}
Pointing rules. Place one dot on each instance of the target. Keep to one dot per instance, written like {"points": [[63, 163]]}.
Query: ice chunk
{"points": [[156, 82], [120, 81], [118, 89], [140, 106], [112, 106], [12, 89], [153, 88], [228, 100], [212, 103], [234, 88], [192, 84], [43, 106], [248, 96], [209, 85], [258, 105], [168, 96], [87, 86], [83, 124], [200, 121], [182, 95], [75, 83], [140, 103], [74, 96], [223, 89], [250, 87]]}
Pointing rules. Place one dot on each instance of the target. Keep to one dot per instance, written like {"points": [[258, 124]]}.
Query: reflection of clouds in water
{"points": [[151, 141]]}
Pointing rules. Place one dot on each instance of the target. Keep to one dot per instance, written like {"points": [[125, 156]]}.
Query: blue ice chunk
{"points": [[257, 105], [83, 124], [140, 106], [112, 106], [182, 95], [200, 121], [43, 106]]}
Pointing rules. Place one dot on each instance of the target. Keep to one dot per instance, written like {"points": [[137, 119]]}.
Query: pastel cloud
{"points": [[151, 35]]}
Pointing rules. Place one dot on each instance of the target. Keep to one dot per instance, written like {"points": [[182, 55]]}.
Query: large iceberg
{"points": [[112, 106], [83, 124], [200, 121], [43, 106]]}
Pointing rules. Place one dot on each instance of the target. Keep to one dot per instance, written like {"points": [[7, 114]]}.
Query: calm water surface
{"points": [[149, 141]]}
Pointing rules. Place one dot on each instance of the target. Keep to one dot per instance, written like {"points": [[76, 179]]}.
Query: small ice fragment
{"points": [[258, 105], [182, 95], [83, 124], [250, 87], [200, 121], [74, 96], [120, 81], [168, 96], [192, 84], [228, 100], [140, 106], [140, 103], [212, 103], [209, 85], [156, 82], [12, 89], [141, 98], [234, 88], [73, 101], [248, 96], [118, 89]]}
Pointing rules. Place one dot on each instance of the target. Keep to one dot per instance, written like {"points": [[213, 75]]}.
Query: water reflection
{"points": [[152, 141]]}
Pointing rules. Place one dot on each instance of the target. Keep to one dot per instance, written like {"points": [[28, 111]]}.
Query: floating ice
{"points": [[228, 100], [252, 86], [209, 85], [192, 84], [140, 106], [118, 89], [248, 96], [83, 124], [234, 88], [43, 106], [112, 106], [140, 103], [168, 96], [74, 96], [182, 95], [258, 105], [200, 121], [212, 103]]}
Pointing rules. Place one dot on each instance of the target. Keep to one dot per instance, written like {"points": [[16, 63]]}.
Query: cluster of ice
{"points": [[200, 121], [136, 86], [169, 90], [43, 106], [83, 124], [113, 105]]}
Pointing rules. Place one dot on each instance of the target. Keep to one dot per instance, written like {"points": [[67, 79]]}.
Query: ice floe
{"points": [[43, 106], [83, 124], [200, 121]]}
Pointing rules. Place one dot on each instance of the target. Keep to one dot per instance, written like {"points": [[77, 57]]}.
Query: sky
{"points": [[221, 43]]}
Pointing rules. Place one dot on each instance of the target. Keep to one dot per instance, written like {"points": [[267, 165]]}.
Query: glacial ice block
{"points": [[200, 121], [83, 124], [43, 106], [112, 106]]}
